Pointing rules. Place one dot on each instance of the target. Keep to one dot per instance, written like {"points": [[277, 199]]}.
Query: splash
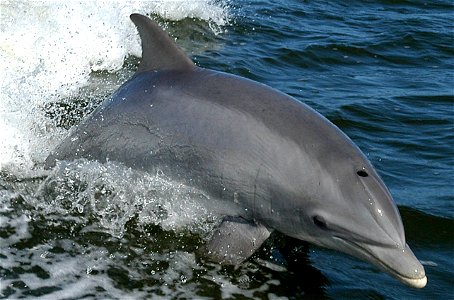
{"points": [[49, 51], [111, 195], [68, 56]]}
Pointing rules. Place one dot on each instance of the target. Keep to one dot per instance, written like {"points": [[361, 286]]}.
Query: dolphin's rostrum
{"points": [[273, 162]]}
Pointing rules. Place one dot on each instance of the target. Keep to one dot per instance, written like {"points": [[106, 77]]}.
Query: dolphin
{"points": [[273, 162]]}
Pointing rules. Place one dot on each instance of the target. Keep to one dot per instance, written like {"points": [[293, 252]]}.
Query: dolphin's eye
{"points": [[320, 222], [362, 173]]}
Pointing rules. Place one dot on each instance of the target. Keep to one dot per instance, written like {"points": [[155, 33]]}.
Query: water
{"points": [[381, 70]]}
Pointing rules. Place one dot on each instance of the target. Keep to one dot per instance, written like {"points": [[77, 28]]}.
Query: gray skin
{"points": [[273, 162]]}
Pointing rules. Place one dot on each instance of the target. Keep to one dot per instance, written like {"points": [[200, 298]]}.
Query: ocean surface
{"points": [[383, 71]]}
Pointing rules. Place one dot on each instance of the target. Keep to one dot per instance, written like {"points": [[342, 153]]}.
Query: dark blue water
{"points": [[383, 71]]}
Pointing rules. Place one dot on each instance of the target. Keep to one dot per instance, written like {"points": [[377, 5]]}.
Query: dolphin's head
{"points": [[352, 211]]}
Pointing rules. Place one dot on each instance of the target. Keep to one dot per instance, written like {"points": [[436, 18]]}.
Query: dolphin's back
{"points": [[197, 121], [171, 104]]}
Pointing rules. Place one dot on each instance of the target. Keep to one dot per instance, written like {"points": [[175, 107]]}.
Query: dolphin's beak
{"points": [[400, 263]]}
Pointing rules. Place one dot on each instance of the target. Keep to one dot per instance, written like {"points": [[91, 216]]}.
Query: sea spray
{"points": [[49, 51]]}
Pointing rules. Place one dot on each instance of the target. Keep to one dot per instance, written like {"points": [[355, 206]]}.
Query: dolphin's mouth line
{"points": [[418, 282], [355, 238]]}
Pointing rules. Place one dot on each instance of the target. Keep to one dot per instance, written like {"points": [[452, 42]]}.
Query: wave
{"points": [[49, 50]]}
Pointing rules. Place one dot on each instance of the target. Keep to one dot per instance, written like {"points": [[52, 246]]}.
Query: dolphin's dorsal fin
{"points": [[159, 51]]}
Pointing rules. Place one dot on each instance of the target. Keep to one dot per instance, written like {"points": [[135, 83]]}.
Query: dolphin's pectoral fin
{"points": [[235, 240]]}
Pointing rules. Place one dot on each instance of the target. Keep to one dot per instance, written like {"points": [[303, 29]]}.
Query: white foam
{"points": [[114, 194], [48, 49]]}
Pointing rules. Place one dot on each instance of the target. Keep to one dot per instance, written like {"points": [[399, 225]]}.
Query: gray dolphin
{"points": [[275, 163]]}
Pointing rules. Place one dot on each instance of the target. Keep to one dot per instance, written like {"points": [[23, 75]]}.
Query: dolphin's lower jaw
{"points": [[399, 263]]}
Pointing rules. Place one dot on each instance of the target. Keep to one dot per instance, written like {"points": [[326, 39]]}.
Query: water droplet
{"points": [[235, 197], [183, 279]]}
